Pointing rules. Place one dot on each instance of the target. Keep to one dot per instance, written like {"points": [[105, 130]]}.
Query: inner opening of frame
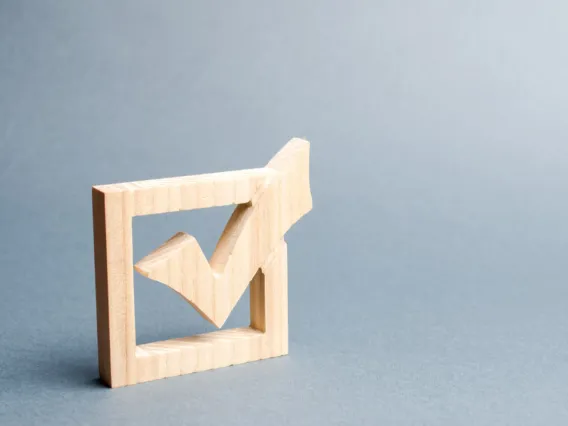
{"points": [[161, 313], [222, 348]]}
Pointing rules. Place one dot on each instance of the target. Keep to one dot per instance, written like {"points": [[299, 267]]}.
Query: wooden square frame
{"points": [[251, 249]]}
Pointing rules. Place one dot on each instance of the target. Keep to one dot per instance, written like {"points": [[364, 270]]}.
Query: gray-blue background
{"points": [[427, 287]]}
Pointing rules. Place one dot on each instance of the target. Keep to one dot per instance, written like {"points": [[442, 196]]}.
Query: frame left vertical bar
{"points": [[114, 280]]}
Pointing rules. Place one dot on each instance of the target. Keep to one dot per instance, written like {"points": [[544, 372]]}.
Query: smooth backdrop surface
{"points": [[427, 287]]}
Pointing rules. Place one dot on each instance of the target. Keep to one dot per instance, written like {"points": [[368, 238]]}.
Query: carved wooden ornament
{"points": [[251, 250]]}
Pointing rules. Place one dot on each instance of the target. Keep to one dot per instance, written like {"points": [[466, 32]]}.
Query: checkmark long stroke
{"points": [[252, 233]]}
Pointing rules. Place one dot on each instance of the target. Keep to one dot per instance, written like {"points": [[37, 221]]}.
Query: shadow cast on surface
{"points": [[80, 372], [58, 370]]}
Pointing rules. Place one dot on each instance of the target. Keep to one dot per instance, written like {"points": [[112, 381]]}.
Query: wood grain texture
{"points": [[112, 224], [252, 233], [269, 201], [191, 192], [267, 337]]}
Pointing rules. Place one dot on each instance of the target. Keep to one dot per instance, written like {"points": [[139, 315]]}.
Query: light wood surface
{"points": [[267, 336], [112, 223], [251, 250]]}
